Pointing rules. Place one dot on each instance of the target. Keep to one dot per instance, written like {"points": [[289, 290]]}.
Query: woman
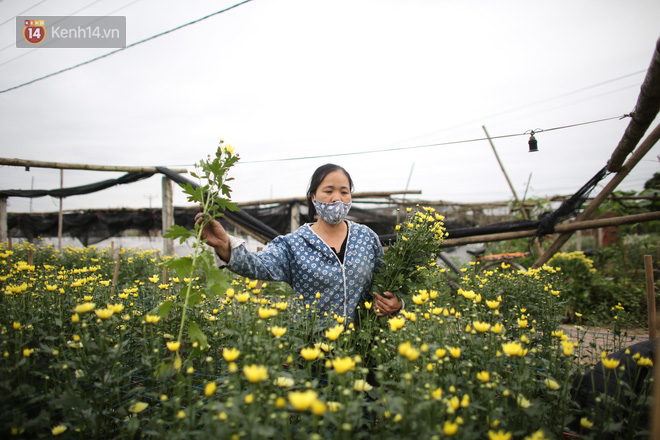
{"points": [[333, 256]]}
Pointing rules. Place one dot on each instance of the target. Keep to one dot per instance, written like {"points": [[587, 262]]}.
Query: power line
{"points": [[387, 150], [25, 53], [127, 47], [21, 13], [543, 101]]}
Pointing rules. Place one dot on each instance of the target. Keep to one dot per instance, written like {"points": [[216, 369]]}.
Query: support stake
{"points": [[650, 294]]}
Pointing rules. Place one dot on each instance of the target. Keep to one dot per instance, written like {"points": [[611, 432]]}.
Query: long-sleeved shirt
{"points": [[304, 261]]}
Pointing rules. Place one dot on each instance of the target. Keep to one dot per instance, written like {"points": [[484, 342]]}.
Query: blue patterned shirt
{"points": [[304, 261]]}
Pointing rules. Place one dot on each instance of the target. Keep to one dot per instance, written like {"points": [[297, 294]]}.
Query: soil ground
{"points": [[594, 340]]}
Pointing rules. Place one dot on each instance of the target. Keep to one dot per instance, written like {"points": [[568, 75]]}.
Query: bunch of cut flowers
{"points": [[411, 257]]}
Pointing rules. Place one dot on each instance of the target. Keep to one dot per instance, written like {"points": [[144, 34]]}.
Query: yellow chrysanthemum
{"points": [[255, 373], [396, 323], [230, 354], [138, 407], [586, 423], [499, 435], [310, 353], [610, 363], [209, 389], [84, 307], [104, 313], [302, 400], [173, 345], [284, 382], [342, 365], [278, 331], [152, 319], [334, 332], [450, 428], [552, 384], [362, 385], [568, 347], [645, 362], [514, 349], [492, 304], [59, 429], [481, 327]]}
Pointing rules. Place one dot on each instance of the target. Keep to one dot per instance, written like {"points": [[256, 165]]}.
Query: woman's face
{"points": [[334, 187]]}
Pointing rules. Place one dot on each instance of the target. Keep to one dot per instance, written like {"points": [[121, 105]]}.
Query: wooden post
{"points": [[639, 153], [30, 259], [650, 294], [295, 216], [168, 215], [60, 216], [655, 408], [4, 229], [506, 176], [578, 241], [115, 276]]}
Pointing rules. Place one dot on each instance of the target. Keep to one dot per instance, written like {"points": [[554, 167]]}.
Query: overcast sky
{"points": [[283, 79]]}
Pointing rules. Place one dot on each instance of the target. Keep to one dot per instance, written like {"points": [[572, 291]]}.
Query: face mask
{"points": [[332, 213]]}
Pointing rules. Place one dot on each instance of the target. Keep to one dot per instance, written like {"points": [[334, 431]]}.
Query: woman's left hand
{"points": [[386, 303]]}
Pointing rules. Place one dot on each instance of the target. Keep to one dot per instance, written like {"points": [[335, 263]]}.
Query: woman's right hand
{"points": [[215, 236]]}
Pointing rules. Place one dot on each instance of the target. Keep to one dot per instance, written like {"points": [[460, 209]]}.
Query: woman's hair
{"points": [[314, 183]]}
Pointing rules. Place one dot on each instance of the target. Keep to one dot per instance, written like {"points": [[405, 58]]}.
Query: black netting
{"points": [[570, 207], [268, 222]]}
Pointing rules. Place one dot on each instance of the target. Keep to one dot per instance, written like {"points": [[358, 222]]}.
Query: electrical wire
{"points": [[21, 13], [127, 47], [386, 150], [23, 54]]}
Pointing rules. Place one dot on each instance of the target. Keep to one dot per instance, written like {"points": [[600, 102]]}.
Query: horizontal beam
{"points": [[568, 227], [357, 195], [73, 166]]}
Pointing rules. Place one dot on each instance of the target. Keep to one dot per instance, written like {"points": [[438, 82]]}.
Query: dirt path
{"points": [[594, 340]]}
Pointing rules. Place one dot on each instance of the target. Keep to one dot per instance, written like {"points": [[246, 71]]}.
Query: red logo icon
{"points": [[34, 31]]}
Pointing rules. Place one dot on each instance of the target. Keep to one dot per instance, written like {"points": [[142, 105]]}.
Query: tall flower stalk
{"points": [[213, 196]]}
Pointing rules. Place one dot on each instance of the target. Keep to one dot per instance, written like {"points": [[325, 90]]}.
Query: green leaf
{"points": [[179, 232], [183, 266], [194, 298], [196, 335], [163, 309]]}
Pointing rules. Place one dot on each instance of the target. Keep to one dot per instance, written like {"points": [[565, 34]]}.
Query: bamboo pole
{"points": [[639, 153], [73, 166], [655, 407], [357, 195], [60, 216], [506, 176], [4, 230], [650, 294], [295, 217], [568, 227], [167, 215]]}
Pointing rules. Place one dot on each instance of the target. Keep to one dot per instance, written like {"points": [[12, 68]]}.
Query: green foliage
{"points": [[490, 356], [407, 259]]}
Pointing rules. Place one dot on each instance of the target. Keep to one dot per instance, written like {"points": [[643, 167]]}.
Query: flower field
{"points": [[91, 349]]}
